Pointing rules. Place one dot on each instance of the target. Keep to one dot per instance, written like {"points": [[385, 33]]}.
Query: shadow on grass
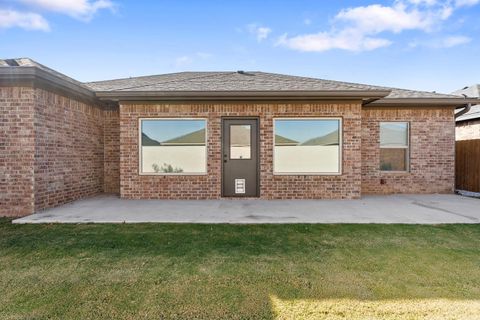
{"points": [[236, 271]]}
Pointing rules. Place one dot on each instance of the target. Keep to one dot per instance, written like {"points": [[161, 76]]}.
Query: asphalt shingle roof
{"points": [[27, 62], [245, 81], [474, 92], [471, 91], [224, 82], [474, 113]]}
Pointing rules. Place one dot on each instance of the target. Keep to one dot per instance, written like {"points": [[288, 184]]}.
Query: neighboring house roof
{"points": [[474, 113], [149, 142], [473, 92], [326, 140], [283, 141], [192, 138], [221, 85]]}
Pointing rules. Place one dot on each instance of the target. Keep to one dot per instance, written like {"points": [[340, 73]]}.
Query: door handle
{"points": [[224, 158]]}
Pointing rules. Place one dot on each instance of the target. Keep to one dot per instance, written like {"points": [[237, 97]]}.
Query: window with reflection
{"points": [[307, 146], [394, 146], [173, 146], [240, 141]]}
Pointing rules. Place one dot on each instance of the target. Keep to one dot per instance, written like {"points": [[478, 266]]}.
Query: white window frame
{"points": [[140, 159], [340, 148], [407, 147]]}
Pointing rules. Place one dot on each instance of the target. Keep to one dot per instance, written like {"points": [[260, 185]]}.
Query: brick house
{"points": [[211, 135]]}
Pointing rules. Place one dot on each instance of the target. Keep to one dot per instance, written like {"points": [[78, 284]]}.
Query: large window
{"points": [[173, 146], [307, 146], [394, 146]]}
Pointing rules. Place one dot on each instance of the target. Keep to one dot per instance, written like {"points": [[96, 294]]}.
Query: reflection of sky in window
{"points": [[399, 126], [394, 133], [303, 130], [162, 130]]}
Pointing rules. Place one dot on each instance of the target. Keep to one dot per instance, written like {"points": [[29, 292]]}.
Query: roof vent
{"points": [[245, 73], [12, 62]]}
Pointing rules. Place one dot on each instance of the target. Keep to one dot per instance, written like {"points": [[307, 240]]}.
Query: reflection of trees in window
{"points": [[166, 168]]}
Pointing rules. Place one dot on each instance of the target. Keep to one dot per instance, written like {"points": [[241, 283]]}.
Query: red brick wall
{"points": [[133, 185], [432, 151], [112, 151], [56, 149], [68, 149], [16, 151]]}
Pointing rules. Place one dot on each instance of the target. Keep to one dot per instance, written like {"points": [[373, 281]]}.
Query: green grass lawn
{"points": [[157, 271]]}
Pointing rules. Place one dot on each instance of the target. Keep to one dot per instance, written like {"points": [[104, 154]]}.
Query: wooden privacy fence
{"points": [[467, 165]]}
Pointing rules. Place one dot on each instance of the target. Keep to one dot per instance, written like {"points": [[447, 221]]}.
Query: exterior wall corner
{"points": [[432, 151], [17, 150]]}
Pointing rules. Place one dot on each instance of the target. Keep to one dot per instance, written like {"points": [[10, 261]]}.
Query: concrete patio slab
{"points": [[408, 209]]}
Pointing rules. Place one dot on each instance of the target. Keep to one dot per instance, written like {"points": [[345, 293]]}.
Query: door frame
{"points": [[257, 133]]}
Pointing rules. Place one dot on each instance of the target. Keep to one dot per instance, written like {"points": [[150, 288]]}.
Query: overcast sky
{"points": [[428, 45]]}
